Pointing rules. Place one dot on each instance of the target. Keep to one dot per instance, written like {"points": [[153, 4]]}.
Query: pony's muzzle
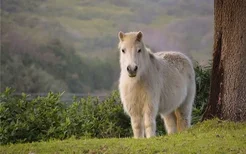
{"points": [[132, 71]]}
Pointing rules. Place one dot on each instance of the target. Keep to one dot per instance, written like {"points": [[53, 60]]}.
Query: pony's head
{"points": [[133, 54]]}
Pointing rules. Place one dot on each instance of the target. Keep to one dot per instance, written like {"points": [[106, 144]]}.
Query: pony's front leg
{"points": [[150, 124], [137, 126]]}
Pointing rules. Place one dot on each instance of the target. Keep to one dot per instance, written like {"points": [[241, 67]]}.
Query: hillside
{"points": [[213, 136], [72, 45]]}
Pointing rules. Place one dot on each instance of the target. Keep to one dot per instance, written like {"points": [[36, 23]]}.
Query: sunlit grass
{"points": [[213, 136]]}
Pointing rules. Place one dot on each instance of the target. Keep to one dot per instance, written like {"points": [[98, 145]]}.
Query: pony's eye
{"points": [[123, 51], [139, 50]]}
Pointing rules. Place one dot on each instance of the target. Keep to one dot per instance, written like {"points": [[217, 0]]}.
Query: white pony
{"points": [[152, 83]]}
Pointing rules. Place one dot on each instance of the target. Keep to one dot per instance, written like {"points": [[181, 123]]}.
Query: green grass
{"points": [[212, 136]]}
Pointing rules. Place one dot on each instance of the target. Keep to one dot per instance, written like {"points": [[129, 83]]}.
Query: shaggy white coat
{"points": [[164, 84]]}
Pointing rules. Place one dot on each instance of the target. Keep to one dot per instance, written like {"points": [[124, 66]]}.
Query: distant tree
{"points": [[228, 82]]}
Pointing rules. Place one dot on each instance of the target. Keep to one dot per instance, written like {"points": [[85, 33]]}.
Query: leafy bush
{"points": [[44, 118], [25, 121], [47, 117], [202, 91], [90, 117]]}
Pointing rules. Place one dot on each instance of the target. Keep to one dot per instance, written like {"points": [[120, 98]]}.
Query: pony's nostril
{"points": [[136, 68], [128, 68]]}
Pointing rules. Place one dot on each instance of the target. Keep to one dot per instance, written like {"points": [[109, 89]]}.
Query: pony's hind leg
{"points": [[183, 113], [170, 122], [182, 121], [137, 126]]}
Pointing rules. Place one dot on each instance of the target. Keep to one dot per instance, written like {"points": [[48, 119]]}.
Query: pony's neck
{"points": [[151, 64], [151, 58]]}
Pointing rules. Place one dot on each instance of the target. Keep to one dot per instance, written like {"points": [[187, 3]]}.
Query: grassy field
{"points": [[213, 136]]}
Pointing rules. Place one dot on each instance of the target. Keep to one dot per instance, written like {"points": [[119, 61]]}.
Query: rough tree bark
{"points": [[228, 82]]}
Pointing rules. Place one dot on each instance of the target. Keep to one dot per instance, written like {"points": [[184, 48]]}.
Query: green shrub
{"points": [[202, 91], [25, 121], [90, 117], [44, 118]]}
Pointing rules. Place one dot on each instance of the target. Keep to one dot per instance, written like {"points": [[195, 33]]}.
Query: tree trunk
{"points": [[228, 81]]}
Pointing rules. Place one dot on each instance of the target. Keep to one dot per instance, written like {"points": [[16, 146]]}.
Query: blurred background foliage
{"points": [[57, 45]]}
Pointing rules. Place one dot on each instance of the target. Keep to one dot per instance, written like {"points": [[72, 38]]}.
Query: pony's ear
{"points": [[121, 36], [139, 36]]}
